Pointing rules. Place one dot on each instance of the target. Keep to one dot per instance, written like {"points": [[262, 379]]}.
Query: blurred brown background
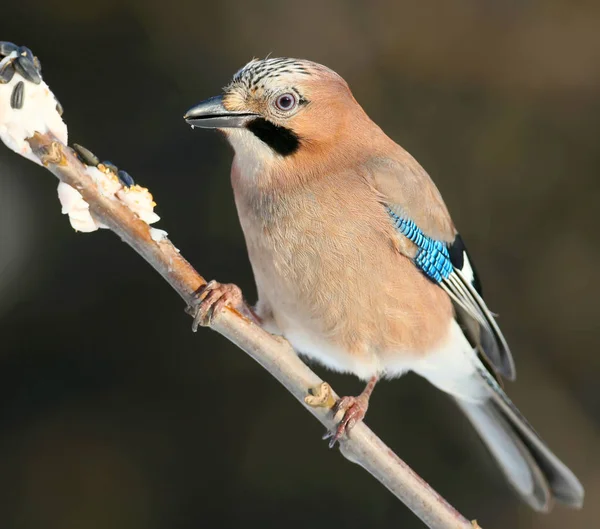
{"points": [[114, 415]]}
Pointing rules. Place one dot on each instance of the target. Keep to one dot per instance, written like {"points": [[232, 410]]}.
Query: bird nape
{"points": [[357, 261]]}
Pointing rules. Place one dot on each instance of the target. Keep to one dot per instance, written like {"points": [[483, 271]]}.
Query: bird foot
{"points": [[212, 299], [354, 410]]}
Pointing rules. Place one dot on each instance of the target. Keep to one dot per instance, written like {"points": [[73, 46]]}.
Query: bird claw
{"points": [[212, 299], [327, 435], [354, 409]]}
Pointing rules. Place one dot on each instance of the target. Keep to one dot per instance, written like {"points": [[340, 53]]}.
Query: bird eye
{"points": [[286, 102]]}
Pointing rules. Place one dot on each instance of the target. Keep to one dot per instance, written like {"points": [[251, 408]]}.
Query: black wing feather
{"points": [[464, 287]]}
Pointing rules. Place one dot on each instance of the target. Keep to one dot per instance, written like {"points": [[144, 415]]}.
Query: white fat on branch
{"points": [[27, 107]]}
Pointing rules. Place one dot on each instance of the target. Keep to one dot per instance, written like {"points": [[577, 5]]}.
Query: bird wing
{"points": [[416, 209]]}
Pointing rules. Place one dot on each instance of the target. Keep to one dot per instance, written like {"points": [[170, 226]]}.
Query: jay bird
{"points": [[357, 261]]}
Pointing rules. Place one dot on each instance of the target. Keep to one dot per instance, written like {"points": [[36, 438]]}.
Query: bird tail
{"points": [[529, 465]]}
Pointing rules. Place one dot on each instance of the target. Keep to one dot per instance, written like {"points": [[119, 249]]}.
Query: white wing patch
{"points": [[467, 269], [478, 323]]}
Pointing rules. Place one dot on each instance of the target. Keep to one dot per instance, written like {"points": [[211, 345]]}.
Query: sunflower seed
{"points": [[37, 64], [59, 108], [16, 98], [6, 48], [110, 166], [85, 155], [25, 67], [125, 178], [6, 73], [24, 51]]}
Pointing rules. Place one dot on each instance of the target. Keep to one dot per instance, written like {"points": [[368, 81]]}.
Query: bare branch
{"points": [[273, 353]]}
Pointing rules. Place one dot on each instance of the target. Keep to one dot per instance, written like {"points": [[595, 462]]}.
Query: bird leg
{"points": [[214, 297], [354, 409]]}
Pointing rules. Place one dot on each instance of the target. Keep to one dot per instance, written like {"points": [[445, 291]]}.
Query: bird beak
{"points": [[211, 114]]}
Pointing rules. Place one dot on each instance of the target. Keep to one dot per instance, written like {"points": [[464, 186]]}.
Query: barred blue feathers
{"points": [[433, 257]]}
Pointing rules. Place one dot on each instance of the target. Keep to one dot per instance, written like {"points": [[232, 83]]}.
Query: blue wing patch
{"points": [[432, 257]]}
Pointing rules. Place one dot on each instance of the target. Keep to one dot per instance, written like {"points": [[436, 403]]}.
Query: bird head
{"points": [[281, 109]]}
